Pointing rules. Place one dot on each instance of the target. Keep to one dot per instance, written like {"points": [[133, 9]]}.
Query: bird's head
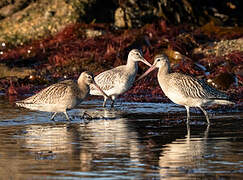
{"points": [[135, 55]]}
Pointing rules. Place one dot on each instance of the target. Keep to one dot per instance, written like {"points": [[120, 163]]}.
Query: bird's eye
{"points": [[158, 60]]}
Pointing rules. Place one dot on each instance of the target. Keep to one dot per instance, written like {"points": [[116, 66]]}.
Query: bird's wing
{"points": [[195, 88], [108, 79], [52, 94]]}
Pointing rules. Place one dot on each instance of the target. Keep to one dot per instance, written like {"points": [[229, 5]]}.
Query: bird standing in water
{"points": [[185, 90], [62, 96], [118, 80]]}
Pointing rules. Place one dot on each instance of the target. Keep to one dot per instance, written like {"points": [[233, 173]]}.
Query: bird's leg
{"points": [[188, 131], [65, 112], [112, 103], [188, 114], [206, 132], [86, 116], [113, 100], [206, 114], [52, 117], [104, 103]]}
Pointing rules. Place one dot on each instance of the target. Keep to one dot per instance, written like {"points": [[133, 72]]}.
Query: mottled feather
{"points": [[195, 88], [185, 90], [55, 93], [61, 96], [118, 80]]}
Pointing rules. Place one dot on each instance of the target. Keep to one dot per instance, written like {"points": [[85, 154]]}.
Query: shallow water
{"points": [[131, 141]]}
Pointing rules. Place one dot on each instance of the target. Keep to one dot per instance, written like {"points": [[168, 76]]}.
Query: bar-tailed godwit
{"points": [[61, 96], [118, 80], [185, 90]]}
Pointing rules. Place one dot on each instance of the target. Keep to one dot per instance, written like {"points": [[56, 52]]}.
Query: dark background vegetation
{"points": [[44, 41]]}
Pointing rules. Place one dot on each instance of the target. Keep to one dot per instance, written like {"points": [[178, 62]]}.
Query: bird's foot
{"points": [[188, 122], [112, 104], [53, 116], [86, 116], [110, 97]]}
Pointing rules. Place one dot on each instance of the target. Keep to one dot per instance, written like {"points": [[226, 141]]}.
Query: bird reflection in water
{"points": [[90, 115], [82, 145], [183, 154]]}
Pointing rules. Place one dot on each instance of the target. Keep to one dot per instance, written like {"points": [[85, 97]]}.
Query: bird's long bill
{"points": [[153, 67], [145, 62], [100, 90]]}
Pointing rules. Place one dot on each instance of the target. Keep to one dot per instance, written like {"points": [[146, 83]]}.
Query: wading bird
{"points": [[118, 80], [62, 96], [185, 90]]}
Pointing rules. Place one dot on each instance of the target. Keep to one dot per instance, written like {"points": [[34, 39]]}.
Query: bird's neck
{"points": [[165, 70], [132, 66], [163, 73], [84, 89]]}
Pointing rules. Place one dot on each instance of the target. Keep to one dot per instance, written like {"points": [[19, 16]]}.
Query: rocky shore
{"points": [[42, 42]]}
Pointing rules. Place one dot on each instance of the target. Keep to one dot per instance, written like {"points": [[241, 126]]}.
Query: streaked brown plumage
{"points": [[61, 96], [185, 90], [118, 80]]}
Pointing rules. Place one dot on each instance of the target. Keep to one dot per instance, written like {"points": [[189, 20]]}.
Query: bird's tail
{"points": [[19, 103], [23, 104], [222, 101], [94, 91]]}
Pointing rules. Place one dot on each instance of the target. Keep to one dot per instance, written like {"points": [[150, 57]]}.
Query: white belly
{"points": [[58, 107], [179, 98]]}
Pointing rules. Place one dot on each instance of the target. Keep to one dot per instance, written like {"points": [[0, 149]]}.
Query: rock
{"points": [[91, 33], [8, 8], [174, 56], [134, 13], [120, 20], [221, 48], [40, 18], [25, 20], [222, 81], [14, 72]]}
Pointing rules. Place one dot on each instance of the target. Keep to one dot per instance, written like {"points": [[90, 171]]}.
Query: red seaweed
{"points": [[70, 52]]}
